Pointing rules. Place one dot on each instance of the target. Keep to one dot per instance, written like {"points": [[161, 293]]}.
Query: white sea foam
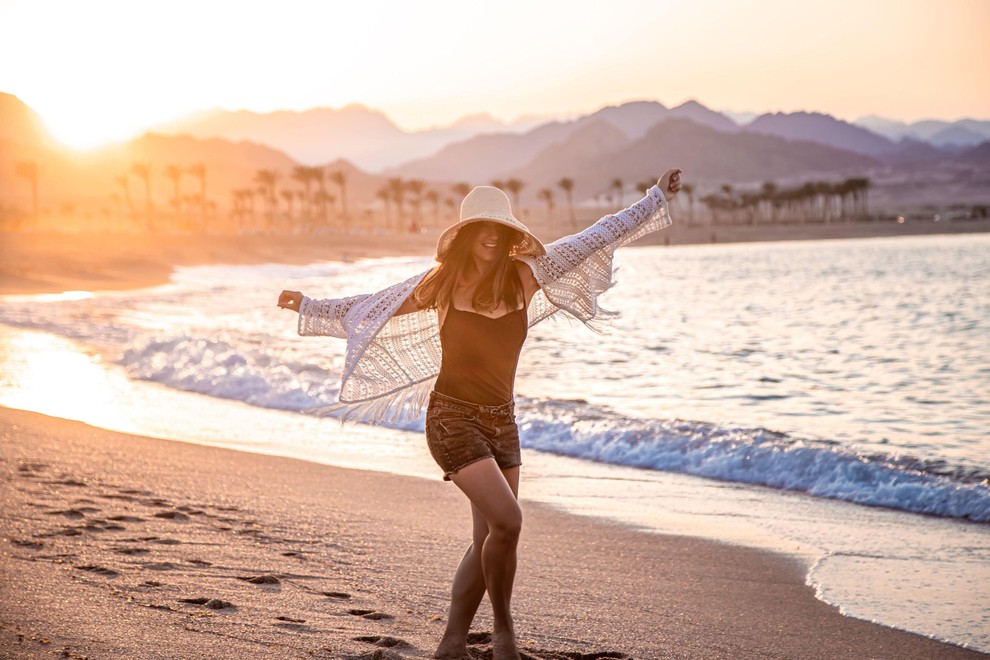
{"points": [[748, 455]]}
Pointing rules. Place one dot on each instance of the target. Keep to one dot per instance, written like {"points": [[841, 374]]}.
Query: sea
{"points": [[829, 400]]}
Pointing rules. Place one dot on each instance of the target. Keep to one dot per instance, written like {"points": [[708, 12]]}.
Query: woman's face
{"points": [[489, 243]]}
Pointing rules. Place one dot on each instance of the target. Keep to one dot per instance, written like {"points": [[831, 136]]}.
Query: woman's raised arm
{"points": [[290, 300]]}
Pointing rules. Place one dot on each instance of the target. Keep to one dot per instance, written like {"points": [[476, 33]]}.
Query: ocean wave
{"points": [[760, 457], [216, 368], [755, 456]]}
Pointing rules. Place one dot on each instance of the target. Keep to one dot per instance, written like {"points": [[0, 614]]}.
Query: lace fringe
{"points": [[402, 406]]}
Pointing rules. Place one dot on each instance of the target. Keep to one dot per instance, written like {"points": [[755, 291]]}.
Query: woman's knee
{"points": [[507, 526]]}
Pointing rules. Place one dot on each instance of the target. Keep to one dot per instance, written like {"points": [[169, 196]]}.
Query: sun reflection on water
{"points": [[50, 375]]}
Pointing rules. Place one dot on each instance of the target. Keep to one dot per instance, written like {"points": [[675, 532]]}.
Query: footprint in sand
{"points": [[99, 570], [288, 623], [384, 641], [371, 615], [160, 566], [131, 551], [261, 579], [479, 643], [172, 515], [74, 514], [130, 519], [98, 525], [23, 543], [377, 654], [335, 594], [209, 603], [67, 482]]}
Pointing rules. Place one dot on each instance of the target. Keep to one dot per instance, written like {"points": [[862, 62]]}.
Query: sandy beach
{"points": [[123, 546]]}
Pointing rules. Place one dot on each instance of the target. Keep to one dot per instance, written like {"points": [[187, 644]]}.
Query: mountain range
{"points": [[370, 140], [632, 142]]}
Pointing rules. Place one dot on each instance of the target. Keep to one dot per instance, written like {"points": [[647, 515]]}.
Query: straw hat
{"points": [[486, 203]]}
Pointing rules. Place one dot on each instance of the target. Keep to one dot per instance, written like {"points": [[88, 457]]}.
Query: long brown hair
{"points": [[500, 283]]}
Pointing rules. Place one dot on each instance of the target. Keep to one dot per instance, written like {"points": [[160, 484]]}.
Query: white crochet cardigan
{"points": [[393, 361]]}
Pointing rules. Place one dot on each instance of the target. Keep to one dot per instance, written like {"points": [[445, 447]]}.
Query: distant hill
{"points": [[710, 157], [699, 114], [964, 132], [978, 155], [356, 133], [313, 136], [483, 157], [823, 129], [19, 124]]}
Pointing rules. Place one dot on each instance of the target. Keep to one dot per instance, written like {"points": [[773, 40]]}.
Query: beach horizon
{"points": [[52, 262]]}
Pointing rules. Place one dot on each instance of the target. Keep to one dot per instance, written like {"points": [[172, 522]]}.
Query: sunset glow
{"points": [[104, 71]]}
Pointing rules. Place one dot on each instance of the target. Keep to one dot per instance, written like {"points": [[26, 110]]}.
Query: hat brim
{"points": [[530, 245]]}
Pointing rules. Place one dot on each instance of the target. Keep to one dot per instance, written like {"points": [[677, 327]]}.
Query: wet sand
{"points": [[121, 546]]}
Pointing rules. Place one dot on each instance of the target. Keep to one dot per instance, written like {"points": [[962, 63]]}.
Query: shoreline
{"points": [[105, 532], [50, 262]]}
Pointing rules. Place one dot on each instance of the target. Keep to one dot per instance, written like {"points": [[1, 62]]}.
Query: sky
{"points": [[99, 71]]}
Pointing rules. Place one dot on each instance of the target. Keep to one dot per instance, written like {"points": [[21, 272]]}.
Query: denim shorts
{"points": [[460, 433]]}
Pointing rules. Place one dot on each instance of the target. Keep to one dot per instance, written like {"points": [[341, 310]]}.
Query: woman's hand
{"points": [[290, 300], [670, 183]]}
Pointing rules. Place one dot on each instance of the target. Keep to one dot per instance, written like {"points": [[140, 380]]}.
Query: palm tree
{"points": [[317, 175], [304, 176], [498, 183], [567, 185], [769, 192], [143, 172], [266, 181], [462, 189], [514, 186], [125, 184], [688, 190], [619, 186], [546, 194], [416, 187], [340, 178], [398, 189], [729, 203], [174, 172], [248, 196], [433, 197], [715, 205], [198, 170], [451, 205], [645, 185], [385, 194], [859, 188], [288, 196], [322, 200], [28, 170]]}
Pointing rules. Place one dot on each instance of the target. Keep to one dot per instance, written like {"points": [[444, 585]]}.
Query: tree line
{"points": [[315, 199]]}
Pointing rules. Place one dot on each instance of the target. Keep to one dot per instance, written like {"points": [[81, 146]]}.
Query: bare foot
{"points": [[504, 646], [451, 650]]}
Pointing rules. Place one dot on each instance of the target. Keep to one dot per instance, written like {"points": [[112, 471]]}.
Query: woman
{"points": [[455, 332]]}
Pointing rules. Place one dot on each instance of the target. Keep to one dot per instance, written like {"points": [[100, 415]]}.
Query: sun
{"points": [[87, 129]]}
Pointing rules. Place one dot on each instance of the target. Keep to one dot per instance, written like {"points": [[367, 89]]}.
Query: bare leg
{"points": [[490, 562]]}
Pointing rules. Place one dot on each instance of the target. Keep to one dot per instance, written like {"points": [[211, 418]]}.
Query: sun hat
{"points": [[491, 204]]}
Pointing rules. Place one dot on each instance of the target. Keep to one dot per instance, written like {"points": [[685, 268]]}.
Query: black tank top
{"points": [[480, 355]]}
